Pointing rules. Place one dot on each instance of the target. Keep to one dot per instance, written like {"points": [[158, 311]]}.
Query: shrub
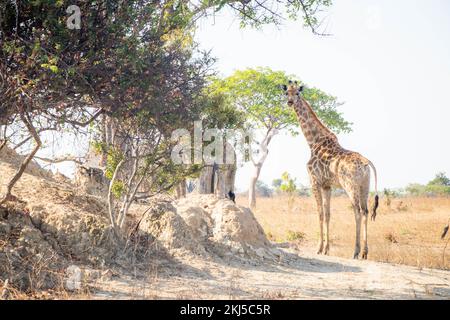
{"points": [[295, 235]]}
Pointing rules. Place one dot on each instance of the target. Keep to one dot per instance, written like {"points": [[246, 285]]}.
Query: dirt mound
{"points": [[168, 230], [204, 224], [11, 157], [27, 259], [50, 227], [237, 227]]}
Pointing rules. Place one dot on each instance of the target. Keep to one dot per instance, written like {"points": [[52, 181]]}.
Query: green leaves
{"points": [[257, 94], [440, 180], [51, 67], [288, 184]]}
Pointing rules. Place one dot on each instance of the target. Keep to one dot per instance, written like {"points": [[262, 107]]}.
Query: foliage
{"points": [[257, 13], [440, 185], [391, 193], [127, 58], [263, 189], [289, 187], [288, 184], [440, 180], [256, 92], [276, 183], [304, 191], [295, 235]]}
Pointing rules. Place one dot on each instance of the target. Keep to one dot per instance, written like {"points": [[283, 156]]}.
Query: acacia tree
{"points": [[257, 93], [127, 60]]}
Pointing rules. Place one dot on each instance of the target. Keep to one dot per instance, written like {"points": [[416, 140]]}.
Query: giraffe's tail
{"points": [[375, 205]]}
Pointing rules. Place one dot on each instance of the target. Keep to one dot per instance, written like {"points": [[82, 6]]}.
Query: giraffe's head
{"points": [[293, 92]]}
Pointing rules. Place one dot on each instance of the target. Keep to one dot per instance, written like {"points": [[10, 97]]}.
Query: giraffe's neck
{"points": [[313, 129]]}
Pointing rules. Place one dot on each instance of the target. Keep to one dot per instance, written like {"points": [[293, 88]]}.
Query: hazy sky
{"points": [[389, 61]]}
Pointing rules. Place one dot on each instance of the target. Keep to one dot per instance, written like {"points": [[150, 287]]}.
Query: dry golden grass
{"points": [[406, 232]]}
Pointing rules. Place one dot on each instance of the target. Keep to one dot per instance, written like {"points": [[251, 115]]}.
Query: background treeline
{"points": [[286, 185]]}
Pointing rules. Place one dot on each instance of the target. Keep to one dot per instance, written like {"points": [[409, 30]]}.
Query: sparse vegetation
{"points": [[411, 236], [295, 235], [438, 186]]}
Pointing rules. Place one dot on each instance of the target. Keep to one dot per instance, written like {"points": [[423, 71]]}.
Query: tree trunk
{"points": [[252, 188], [204, 185], [181, 189], [258, 166], [224, 176], [111, 207]]}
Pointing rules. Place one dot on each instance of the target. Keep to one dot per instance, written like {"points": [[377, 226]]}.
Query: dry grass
{"points": [[406, 232]]}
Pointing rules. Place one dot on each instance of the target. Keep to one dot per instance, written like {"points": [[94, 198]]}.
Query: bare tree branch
{"points": [[25, 119], [77, 160]]}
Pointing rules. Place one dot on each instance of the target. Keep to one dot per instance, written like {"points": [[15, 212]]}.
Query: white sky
{"points": [[389, 61]]}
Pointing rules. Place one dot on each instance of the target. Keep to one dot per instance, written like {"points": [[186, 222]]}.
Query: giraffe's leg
{"points": [[326, 192], [318, 196], [365, 213], [357, 211], [365, 251]]}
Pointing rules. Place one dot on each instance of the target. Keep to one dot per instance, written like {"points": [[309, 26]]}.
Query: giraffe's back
{"points": [[333, 165]]}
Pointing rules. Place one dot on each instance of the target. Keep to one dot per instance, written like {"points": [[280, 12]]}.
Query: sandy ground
{"points": [[305, 276], [297, 274]]}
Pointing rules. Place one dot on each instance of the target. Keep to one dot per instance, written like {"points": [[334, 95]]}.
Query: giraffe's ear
{"points": [[283, 87]]}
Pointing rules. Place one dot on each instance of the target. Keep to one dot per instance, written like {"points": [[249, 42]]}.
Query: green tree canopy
{"points": [[440, 179], [257, 93]]}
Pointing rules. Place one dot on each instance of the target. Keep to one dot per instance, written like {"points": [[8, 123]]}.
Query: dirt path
{"points": [[305, 277]]}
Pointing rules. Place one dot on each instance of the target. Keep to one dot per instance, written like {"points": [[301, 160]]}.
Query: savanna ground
{"points": [[75, 223], [407, 231]]}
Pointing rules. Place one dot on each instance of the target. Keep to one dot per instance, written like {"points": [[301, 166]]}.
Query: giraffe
{"points": [[330, 166]]}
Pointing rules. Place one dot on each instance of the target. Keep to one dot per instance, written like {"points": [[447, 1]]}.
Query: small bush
{"points": [[295, 235], [390, 237], [401, 206], [270, 236]]}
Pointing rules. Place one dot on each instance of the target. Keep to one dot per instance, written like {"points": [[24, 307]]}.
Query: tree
{"points": [[289, 187], [263, 189], [257, 93], [440, 185], [128, 60], [440, 180], [256, 13], [276, 183]]}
